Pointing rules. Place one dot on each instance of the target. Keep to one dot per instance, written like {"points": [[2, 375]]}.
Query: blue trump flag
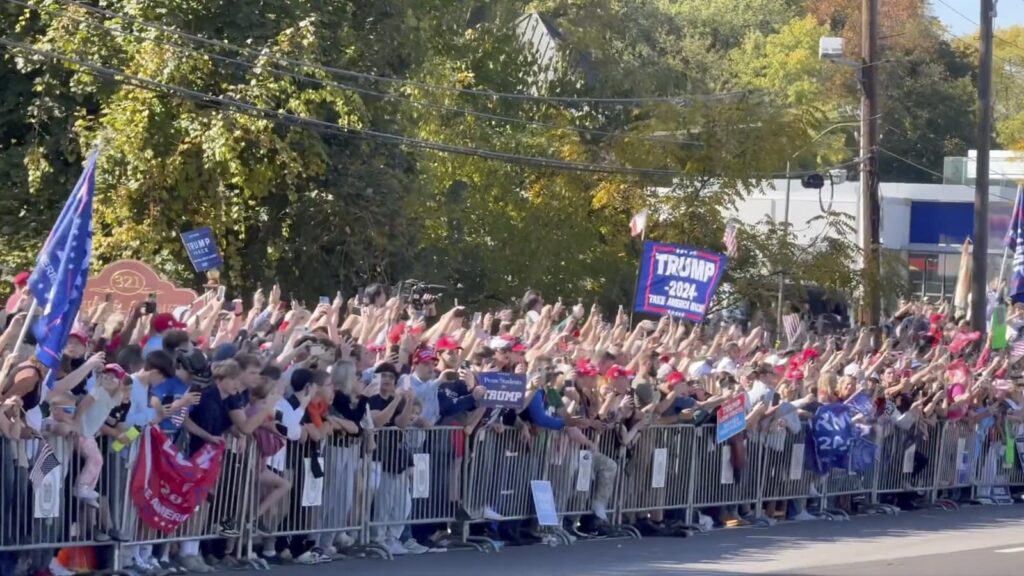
{"points": [[62, 269], [1015, 243]]}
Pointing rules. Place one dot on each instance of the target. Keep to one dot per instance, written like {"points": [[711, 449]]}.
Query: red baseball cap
{"points": [[447, 343], [617, 371], [21, 279], [518, 346], [585, 367], [424, 356], [79, 335], [674, 377], [116, 370], [163, 322]]}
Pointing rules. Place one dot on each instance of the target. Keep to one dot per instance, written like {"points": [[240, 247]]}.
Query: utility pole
{"points": [[979, 289], [869, 203]]}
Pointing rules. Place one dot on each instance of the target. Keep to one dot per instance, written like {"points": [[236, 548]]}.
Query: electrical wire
{"points": [[393, 97], [677, 100], [293, 119], [352, 131]]}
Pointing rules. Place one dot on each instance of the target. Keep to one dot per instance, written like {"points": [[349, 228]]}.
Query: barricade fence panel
{"points": [[373, 487]]}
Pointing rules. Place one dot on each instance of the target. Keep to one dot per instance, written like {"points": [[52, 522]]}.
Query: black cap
{"points": [[386, 368]]}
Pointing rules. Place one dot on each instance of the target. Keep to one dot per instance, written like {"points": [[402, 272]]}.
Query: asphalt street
{"points": [[981, 541]]}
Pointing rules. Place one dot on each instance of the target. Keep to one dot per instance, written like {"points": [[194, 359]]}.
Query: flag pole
{"points": [[1002, 265], [636, 279]]}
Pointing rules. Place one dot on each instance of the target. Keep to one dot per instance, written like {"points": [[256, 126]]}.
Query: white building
{"points": [[925, 223]]}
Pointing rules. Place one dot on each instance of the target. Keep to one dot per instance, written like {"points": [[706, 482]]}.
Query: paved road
{"points": [[981, 541]]}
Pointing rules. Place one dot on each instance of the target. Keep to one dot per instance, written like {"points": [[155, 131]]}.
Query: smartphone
{"points": [[150, 306], [221, 292], [130, 434], [477, 318], [325, 300]]}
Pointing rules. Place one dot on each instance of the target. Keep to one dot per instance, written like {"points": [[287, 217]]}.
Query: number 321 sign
{"points": [[678, 280]]}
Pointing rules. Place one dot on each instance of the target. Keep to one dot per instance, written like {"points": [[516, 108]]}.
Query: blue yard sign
{"points": [[732, 418], [678, 280], [503, 390], [202, 249]]}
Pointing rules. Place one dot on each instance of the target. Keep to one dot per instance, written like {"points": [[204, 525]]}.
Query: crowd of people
{"points": [[281, 374]]}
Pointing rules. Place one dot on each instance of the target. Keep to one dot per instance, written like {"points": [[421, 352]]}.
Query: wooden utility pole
{"points": [[979, 281], [869, 202]]}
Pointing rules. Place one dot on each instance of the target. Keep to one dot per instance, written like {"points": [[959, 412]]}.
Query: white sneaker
{"points": [[804, 516], [57, 569], [394, 547], [705, 522], [814, 491], [600, 509], [415, 547], [491, 514], [194, 564], [343, 541]]}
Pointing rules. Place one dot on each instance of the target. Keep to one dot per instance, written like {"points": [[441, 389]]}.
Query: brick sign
{"points": [[130, 281]]}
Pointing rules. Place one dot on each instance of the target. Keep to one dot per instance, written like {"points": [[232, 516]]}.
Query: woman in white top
{"points": [[90, 416]]}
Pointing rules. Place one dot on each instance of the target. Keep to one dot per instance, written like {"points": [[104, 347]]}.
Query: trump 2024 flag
{"points": [[62, 268]]}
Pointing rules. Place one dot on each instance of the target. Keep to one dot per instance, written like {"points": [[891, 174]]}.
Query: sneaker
{"points": [[285, 555], [394, 547], [227, 529], [169, 566], [101, 537], [313, 556], [343, 540], [116, 535], [736, 523], [57, 569], [230, 562], [415, 547], [491, 514], [194, 564], [803, 516]]}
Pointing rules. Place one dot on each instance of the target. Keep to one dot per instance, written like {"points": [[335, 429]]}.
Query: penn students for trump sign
{"points": [[503, 390], [678, 280]]}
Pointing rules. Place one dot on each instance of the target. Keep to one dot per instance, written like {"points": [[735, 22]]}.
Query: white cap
{"points": [[698, 369], [664, 370], [852, 369], [498, 343]]}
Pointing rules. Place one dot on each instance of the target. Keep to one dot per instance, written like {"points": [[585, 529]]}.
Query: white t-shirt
{"points": [[726, 364], [93, 418]]}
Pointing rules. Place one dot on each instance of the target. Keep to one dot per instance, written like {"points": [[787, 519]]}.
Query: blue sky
{"points": [[1009, 13]]}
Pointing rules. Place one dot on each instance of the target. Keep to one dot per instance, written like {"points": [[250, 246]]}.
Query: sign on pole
{"points": [[678, 280], [202, 249]]}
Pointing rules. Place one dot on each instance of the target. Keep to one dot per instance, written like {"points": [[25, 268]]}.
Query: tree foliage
{"points": [[317, 207]]}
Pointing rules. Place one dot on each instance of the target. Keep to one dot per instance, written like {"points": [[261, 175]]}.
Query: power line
{"points": [[996, 36], [351, 131], [424, 85], [296, 76], [288, 118]]}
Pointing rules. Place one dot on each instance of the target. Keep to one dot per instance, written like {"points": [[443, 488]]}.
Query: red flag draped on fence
{"points": [[167, 487]]}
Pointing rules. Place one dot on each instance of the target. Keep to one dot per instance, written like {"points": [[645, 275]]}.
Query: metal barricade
{"points": [[44, 512], [225, 510], [657, 473], [909, 460], [994, 463], [414, 482], [783, 475], [958, 453], [497, 472], [718, 480], [586, 475]]}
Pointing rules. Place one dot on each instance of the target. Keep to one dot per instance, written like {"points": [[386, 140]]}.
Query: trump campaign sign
{"points": [[678, 280]]}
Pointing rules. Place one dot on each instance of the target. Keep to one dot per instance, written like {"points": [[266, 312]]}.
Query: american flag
{"points": [[46, 462], [638, 224], [1017, 349], [791, 324], [729, 238]]}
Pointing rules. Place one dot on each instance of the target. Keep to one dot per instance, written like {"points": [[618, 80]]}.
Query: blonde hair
{"points": [[343, 375], [225, 369], [827, 382]]}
